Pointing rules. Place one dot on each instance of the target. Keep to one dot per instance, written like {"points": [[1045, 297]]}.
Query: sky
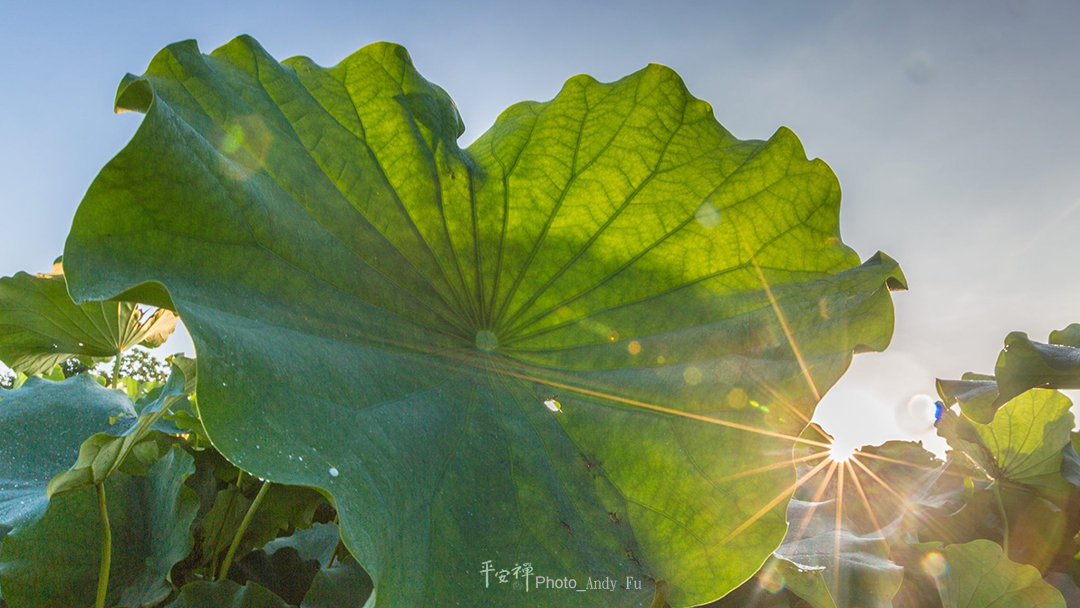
{"points": [[952, 126]]}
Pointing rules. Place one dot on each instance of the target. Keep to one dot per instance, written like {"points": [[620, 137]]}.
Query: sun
{"points": [[841, 452]]}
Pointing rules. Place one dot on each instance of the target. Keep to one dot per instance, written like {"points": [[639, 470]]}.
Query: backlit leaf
{"points": [[977, 574], [40, 326], [384, 315]]}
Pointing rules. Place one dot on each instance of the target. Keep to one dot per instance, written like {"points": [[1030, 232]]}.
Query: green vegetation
{"points": [[588, 345]]}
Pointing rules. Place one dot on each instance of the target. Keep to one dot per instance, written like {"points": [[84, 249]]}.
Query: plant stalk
{"points": [[339, 544], [243, 528], [106, 547], [221, 528], [1004, 518], [116, 371]]}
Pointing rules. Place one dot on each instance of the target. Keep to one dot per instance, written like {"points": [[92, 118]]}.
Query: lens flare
{"points": [[771, 581], [918, 414], [934, 564]]}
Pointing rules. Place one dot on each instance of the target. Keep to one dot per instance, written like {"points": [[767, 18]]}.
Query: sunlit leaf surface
{"points": [[977, 574], [587, 342]]}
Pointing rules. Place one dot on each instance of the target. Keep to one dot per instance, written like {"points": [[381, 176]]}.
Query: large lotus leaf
{"points": [[388, 317], [977, 574], [55, 560], [42, 425], [40, 326], [1022, 444], [283, 509], [1037, 529]]}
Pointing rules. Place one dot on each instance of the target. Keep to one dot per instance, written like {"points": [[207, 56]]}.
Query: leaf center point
{"points": [[486, 340]]}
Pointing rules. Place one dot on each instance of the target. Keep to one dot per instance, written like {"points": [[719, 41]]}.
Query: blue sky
{"points": [[953, 127]]}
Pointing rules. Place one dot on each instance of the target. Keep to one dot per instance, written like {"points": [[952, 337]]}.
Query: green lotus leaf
{"points": [[284, 509], [340, 582], [318, 543], [843, 518], [855, 568], [102, 454], [1022, 452], [42, 425], [1023, 443], [226, 594], [343, 584], [299, 568], [1070, 461], [556, 347], [54, 561], [1070, 336], [1024, 364], [977, 574], [40, 326], [1026, 437], [807, 584], [282, 572], [977, 398]]}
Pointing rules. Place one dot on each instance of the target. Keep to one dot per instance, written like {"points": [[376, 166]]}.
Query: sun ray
{"points": [[905, 503], [772, 503], [771, 467], [910, 464], [658, 408], [866, 503], [787, 330], [839, 522], [780, 398], [813, 501]]}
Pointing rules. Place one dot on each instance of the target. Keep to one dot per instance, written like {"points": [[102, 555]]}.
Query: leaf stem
{"points": [[224, 520], [1004, 519], [339, 544], [243, 528], [660, 597], [116, 371], [106, 547]]}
